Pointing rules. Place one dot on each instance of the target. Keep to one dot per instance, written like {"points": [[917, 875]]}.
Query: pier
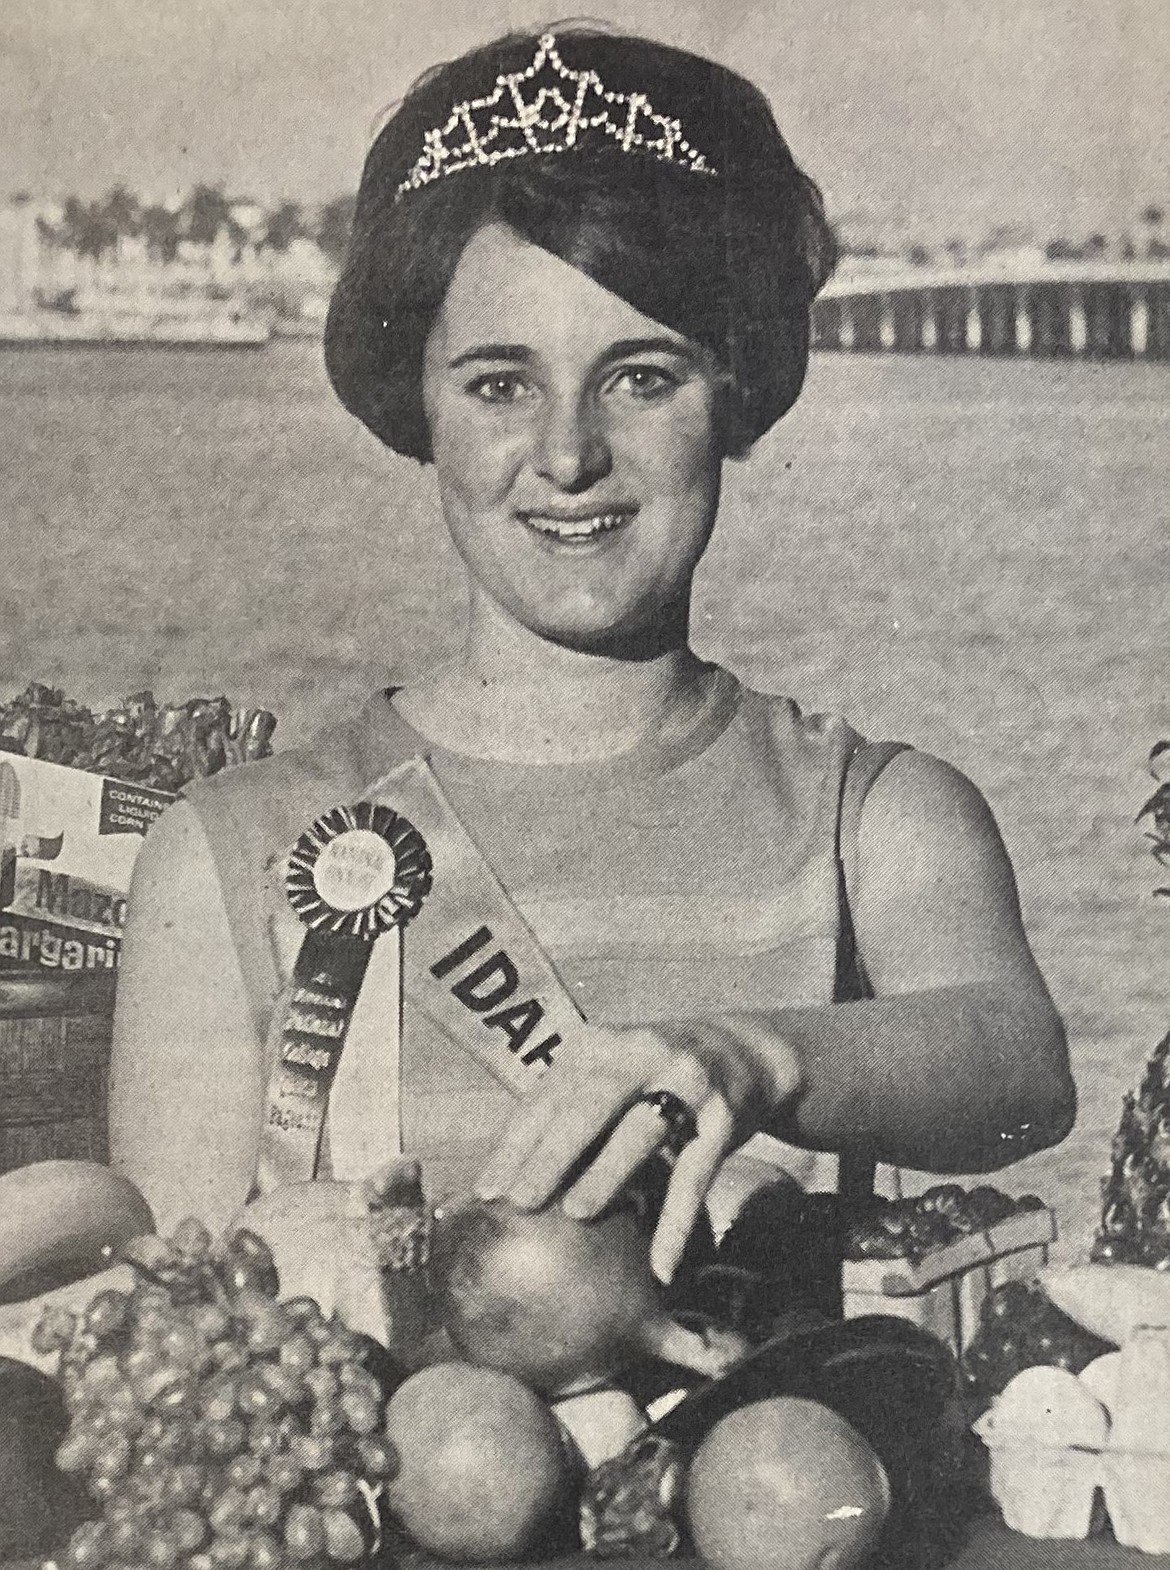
{"points": [[1084, 310]]}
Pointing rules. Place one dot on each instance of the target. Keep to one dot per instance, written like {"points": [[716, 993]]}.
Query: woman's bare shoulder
{"points": [[915, 792], [935, 895]]}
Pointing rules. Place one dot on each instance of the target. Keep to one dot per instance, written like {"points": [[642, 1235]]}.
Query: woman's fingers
{"points": [[554, 1126], [634, 1139], [694, 1172], [595, 1132], [566, 1139], [552, 1146], [526, 1128]]}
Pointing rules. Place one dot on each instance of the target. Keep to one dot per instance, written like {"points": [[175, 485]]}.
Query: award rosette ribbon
{"points": [[471, 965], [355, 878]]}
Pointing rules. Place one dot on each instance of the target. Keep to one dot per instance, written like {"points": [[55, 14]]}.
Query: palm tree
{"points": [[86, 228], [160, 228], [122, 211], [206, 211], [284, 226]]}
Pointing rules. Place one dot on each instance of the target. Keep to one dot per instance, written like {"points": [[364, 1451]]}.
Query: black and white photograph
{"points": [[584, 785]]}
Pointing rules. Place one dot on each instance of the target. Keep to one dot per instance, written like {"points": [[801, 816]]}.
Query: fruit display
{"points": [[140, 741], [217, 1422], [878, 1392], [215, 1425], [1020, 1327]]}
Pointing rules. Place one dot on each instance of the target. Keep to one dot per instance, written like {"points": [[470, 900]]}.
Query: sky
{"points": [[937, 116]]}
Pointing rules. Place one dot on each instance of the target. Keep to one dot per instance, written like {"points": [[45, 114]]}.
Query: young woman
{"points": [[579, 281]]}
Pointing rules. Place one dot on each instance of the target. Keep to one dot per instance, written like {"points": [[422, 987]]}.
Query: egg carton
{"points": [[1052, 1493], [943, 1291]]}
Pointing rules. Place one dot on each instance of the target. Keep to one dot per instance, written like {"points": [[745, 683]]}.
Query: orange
{"points": [[785, 1484], [484, 1471]]}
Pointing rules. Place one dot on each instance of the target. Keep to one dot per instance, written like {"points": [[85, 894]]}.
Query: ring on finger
{"points": [[678, 1119]]}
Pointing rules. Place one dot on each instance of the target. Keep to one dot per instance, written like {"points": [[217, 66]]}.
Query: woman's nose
{"points": [[573, 450]]}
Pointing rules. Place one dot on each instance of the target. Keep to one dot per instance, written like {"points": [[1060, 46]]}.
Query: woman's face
{"points": [[575, 445]]}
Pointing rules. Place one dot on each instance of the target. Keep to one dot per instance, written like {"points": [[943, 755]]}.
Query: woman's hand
{"points": [[589, 1126]]}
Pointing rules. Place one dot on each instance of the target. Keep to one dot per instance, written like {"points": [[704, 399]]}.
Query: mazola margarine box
{"points": [[68, 841], [78, 790]]}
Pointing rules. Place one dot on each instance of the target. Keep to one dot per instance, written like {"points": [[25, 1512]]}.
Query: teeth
{"points": [[575, 528]]}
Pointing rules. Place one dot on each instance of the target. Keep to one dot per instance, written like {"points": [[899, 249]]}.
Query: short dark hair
{"points": [[731, 262]]}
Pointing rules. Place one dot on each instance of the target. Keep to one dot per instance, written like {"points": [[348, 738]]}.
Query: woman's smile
{"points": [[575, 446], [576, 530]]}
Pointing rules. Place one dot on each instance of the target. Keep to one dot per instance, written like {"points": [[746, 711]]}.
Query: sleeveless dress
{"points": [[699, 875]]}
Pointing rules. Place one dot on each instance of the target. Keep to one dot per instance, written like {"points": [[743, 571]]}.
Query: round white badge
{"points": [[355, 870]]}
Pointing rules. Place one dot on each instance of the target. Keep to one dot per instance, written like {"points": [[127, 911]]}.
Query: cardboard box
{"points": [[944, 1290], [68, 842]]}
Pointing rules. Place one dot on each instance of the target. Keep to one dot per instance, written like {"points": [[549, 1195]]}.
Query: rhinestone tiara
{"points": [[547, 108]]}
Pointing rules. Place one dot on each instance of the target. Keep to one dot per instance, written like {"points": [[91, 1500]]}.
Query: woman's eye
{"points": [[646, 381], [499, 387]]}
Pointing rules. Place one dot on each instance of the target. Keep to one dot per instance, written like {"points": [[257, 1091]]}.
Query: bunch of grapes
{"points": [[1020, 1328], [217, 1427]]}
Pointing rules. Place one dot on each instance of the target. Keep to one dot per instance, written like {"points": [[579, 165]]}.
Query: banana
{"points": [[60, 1217], [63, 1213]]}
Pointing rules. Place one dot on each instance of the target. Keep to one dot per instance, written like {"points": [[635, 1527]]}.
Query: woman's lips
{"points": [[576, 528]]}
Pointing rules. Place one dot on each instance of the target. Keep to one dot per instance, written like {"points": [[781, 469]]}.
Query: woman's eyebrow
{"points": [[515, 353], [518, 353], [628, 346]]}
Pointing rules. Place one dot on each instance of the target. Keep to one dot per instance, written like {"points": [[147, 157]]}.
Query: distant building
{"points": [[20, 248]]}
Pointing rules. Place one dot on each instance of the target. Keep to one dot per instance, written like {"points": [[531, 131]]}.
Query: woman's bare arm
{"points": [[959, 1063], [185, 1088]]}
